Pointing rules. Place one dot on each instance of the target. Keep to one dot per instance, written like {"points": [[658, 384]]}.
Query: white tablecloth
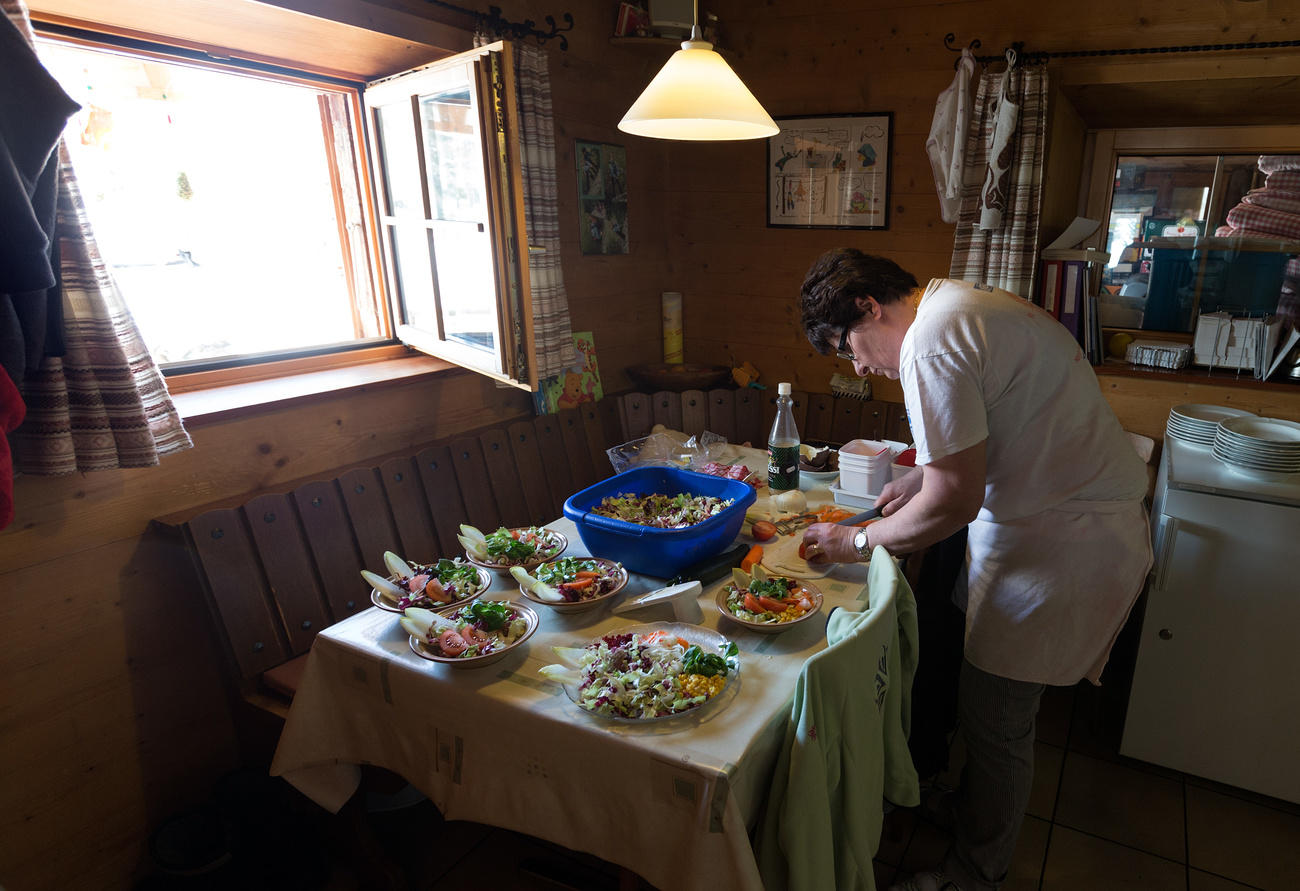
{"points": [[670, 799]]}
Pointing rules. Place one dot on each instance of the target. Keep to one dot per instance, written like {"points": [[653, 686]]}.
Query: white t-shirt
{"points": [[1060, 547]]}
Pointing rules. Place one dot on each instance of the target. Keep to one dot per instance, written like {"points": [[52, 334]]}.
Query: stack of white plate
{"points": [[1253, 443], [1198, 423]]}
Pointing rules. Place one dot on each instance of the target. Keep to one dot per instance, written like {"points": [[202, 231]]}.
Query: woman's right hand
{"points": [[897, 493]]}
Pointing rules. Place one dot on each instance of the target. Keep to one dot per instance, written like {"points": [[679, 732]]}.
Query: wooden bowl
{"points": [[577, 606], [678, 377]]}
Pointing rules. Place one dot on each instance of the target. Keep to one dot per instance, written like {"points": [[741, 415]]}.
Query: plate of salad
{"points": [[472, 636], [443, 584], [766, 603], [648, 672], [527, 546], [571, 584]]}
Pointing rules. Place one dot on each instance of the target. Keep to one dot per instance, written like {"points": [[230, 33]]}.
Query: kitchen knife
{"points": [[858, 518]]}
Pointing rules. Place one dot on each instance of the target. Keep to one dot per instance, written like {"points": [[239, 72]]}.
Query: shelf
{"points": [[1192, 375]]}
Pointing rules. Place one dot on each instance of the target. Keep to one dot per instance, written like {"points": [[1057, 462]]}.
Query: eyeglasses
{"points": [[842, 351]]}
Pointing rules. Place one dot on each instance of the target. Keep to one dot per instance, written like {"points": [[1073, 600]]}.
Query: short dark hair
{"points": [[828, 298]]}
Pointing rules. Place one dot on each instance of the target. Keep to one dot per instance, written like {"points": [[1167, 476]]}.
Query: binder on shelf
{"points": [[1052, 287], [1074, 278]]}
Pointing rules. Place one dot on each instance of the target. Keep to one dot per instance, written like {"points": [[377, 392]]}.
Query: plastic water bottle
{"points": [[783, 445]]}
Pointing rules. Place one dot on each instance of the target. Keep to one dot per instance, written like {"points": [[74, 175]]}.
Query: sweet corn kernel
{"points": [[699, 685]]}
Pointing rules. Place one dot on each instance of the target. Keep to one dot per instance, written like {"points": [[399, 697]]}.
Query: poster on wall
{"points": [[830, 172], [574, 385], [602, 197]]}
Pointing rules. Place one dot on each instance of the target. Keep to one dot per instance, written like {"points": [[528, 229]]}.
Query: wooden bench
{"points": [[746, 415]]}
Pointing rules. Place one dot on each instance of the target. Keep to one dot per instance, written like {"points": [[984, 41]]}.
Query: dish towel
{"points": [[845, 748], [946, 144], [993, 196]]}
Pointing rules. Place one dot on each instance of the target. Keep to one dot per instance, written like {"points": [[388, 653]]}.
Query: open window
{"points": [[445, 150]]}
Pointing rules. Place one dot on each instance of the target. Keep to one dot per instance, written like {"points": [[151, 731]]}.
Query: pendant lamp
{"points": [[696, 96]]}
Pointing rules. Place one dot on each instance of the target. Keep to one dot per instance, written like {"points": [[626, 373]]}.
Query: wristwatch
{"points": [[861, 545]]}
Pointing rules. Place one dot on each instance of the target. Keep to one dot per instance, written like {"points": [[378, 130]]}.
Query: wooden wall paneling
{"points": [[367, 506], [695, 412], [749, 416], [847, 418], [612, 433], [559, 475], [600, 423], [415, 533], [799, 408], [896, 427], [499, 459], [722, 413], [533, 477], [329, 535], [290, 573], [873, 420], [442, 492], [667, 409], [578, 452], [239, 591], [821, 417], [638, 409], [624, 424], [475, 489]]}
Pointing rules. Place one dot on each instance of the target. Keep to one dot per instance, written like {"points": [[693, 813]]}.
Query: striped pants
{"points": [[996, 716]]}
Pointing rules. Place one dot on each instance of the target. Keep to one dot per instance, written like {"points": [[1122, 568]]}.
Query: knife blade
{"points": [[858, 518]]}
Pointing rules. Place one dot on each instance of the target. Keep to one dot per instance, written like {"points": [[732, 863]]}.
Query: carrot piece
{"points": [[587, 574], [579, 585], [755, 555]]}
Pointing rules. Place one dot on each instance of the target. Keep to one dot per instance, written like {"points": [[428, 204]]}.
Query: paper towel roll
{"points": [[672, 313]]}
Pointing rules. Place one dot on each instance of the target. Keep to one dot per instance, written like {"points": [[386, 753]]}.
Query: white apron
{"points": [[1048, 594]]}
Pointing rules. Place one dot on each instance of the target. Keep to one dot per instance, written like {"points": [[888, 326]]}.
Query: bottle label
{"points": [[782, 468]]}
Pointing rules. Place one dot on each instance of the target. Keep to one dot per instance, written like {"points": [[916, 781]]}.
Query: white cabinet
{"points": [[1216, 688]]}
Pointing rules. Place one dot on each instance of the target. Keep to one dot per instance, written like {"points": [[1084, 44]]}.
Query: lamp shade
{"points": [[697, 96]]}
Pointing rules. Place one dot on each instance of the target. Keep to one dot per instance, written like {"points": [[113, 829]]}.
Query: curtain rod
{"points": [[492, 22], [1040, 58]]}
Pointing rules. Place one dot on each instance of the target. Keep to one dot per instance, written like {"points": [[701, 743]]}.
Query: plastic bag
{"points": [[667, 448]]}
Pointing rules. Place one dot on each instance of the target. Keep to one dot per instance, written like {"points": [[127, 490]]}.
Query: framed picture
{"points": [[830, 172], [602, 197]]}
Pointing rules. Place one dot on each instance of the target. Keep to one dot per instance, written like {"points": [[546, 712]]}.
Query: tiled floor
{"points": [[1096, 821]]}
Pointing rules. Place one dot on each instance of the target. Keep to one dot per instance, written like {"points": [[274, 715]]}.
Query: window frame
{"points": [[234, 371], [496, 106]]}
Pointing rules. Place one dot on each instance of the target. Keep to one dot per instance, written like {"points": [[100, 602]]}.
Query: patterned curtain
{"points": [[103, 403], [1008, 183], [552, 330]]}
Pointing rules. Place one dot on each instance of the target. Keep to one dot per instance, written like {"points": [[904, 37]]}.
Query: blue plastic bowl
{"points": [[659, 552]]}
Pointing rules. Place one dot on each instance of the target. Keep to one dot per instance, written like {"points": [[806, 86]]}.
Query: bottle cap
{"points": [[783, 389]]}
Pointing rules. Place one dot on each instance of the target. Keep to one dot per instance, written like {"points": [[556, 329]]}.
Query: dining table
{"points": [[672, 799]]}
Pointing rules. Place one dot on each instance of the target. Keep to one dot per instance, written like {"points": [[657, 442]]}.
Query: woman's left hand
{"points": [[829, 543]]}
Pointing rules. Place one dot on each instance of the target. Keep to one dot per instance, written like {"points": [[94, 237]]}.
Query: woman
{"points": [[1013, 438]]}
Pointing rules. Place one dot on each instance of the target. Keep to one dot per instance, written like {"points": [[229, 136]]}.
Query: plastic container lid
{"points": [[783, 388]]}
